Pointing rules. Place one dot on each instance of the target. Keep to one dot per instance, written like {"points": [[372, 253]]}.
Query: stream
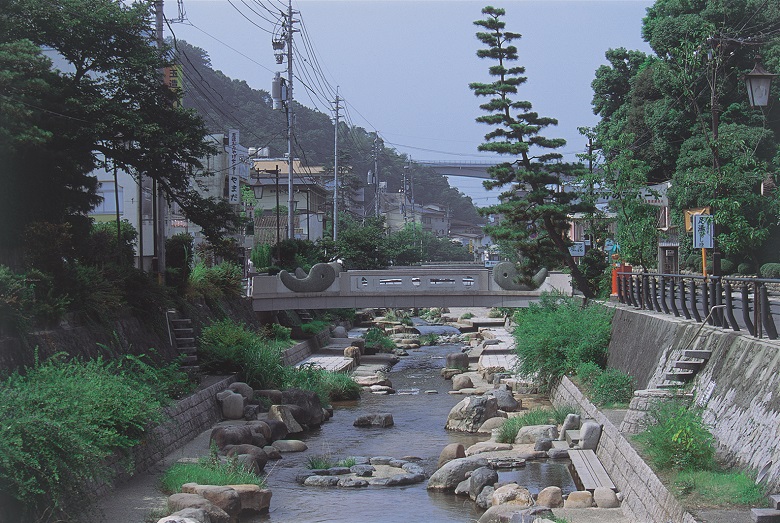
{"points": [[418, 431]]}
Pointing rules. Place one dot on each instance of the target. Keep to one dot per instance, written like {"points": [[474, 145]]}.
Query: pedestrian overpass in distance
{"points": [[402, 288], [464, 169]]}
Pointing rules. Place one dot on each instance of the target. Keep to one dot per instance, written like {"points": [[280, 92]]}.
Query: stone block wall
{"points": [[304, 349], [645, 497]]}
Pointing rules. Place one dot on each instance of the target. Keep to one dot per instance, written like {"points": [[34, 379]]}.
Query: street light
{"points": [[758, 82]]}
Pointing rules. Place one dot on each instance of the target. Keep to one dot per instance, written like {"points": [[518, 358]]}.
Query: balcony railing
{"points": [[748, 302]]}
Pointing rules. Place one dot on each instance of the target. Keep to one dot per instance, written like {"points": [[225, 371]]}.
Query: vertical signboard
{"points": [[234, 185], [703, 231]]}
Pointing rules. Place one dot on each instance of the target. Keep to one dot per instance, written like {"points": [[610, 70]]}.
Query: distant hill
{"points": [[226, 103]]}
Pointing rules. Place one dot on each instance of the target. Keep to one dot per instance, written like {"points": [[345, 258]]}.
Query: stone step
{"points": [[184, 341], [701, 354], [183, 330], [694, 364], [189, 360], [680, 375], [180, 321], [775, 499], [187, 350], [560, 444], [572, 437], [765, 515], [672, 385]]}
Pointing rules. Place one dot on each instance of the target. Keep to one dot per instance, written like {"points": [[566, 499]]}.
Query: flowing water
{"points": [[418, 431]]}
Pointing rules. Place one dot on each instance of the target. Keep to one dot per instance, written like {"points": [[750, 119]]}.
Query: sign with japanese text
{"points": [[234, 184], [703, 231], [577, 249]]}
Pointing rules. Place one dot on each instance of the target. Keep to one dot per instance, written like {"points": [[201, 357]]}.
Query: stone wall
{"points": [[645, 497], [304, 349], [738, 387]]}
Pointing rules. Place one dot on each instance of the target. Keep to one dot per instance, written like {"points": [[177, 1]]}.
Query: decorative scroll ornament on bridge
{"points": [[506, 276], [320, 277]]}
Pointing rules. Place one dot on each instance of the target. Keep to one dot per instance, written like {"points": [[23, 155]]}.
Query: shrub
{"points": [[466, 316], [277, 332], [560, 413], [226, 346], [612, 386], [770, 270], [378, 340], [556, 335], [210, 470], [329, 386], [727, 267], [222, 280], [261, 256], [745, 269], [495, 313], [676, 437], [587, 372], [314, 327], [61, 420], [178, 259], [508, 431], [16, 301], [429, 339]]}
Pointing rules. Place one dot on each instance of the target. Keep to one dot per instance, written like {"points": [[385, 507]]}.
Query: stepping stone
{"points": [[765, 515]]}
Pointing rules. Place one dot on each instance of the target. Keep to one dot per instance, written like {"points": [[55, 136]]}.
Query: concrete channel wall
{"points": [[739, 387], [645, 497]]}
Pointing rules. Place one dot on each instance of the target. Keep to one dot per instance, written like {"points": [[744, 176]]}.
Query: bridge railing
{"points": [[742, 303]]}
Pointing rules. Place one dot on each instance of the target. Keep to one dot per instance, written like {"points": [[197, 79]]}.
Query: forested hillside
{"points": [[227, 103]]}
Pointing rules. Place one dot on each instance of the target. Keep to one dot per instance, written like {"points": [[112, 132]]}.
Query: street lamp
{"points": [[758, 82]]}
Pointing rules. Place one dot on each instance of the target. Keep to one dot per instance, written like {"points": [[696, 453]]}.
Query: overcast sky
{"points": [[403, 67]]}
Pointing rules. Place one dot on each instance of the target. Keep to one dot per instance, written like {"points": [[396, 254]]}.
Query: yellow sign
{"points": [[174, 79], [690, 213]]}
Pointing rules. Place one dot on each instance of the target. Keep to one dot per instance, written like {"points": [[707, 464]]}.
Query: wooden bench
{"points": [[589, 470]]}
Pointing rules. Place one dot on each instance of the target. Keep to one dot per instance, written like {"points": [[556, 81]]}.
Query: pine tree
{"points": [[534, 211]]}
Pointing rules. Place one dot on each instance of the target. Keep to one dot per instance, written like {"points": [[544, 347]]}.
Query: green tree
{"points": [[106, 97], [535, 209], [360, 245]]}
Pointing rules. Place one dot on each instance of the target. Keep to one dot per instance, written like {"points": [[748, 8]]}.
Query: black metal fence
{"points": [[746, 302]]}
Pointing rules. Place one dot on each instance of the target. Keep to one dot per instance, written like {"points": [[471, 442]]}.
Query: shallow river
{"points": [[418, 431]]}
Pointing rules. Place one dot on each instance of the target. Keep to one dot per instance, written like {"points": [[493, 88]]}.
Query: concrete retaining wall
{"points": [[304, 349], [645, 497], [739, 387]]}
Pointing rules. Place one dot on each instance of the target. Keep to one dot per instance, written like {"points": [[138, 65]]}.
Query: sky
{"points": [[402, 67]]}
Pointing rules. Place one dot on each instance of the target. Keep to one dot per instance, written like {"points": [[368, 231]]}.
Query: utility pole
{"points": [[159, 207], [290, 120], [336, 171], [376, 173]]}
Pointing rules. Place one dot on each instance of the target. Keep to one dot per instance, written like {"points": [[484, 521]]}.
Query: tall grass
{"points": [[508, 431], [209, 470]]}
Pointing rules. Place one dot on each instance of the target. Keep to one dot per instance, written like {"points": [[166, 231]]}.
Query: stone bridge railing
{"points": [[325, 288]]}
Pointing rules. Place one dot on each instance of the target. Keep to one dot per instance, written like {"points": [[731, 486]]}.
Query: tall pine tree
{"points": [[534, 210]]}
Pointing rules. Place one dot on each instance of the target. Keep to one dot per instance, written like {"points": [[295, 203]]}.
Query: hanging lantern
{"points": [[758, 82]]}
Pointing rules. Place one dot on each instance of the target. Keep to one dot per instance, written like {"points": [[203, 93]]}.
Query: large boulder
{"points": [[233, 406], [239, 387], [224, 497], [471, 413], [308, 401], [492, 423], [461, 381], [500, 513], [257, 455], [278, 428], [284, 414], [290, 445], [550, 497], [184, 500], [339, 332], [579, 499], [453, 472], [487, 446], [274, 396], [457, 360], [572, 422], [261, 433], [225, 435], [368, 381], [590, 433], [605, 498], [481, 478], [506, 401], [450, 452], [513, 494], [529, 434], [253, 498]]}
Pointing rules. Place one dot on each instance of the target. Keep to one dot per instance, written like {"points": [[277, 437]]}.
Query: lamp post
{"points": [[758, 81]]}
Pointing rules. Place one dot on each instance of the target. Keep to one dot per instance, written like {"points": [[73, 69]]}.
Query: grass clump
{"points": [[209, 470], [314, 327], [677, 438], [556, 335], [612, 387], [62, 419], [377, 340], [429, 339], [715, 487], [329, 386], [508, 431], [325, 461], [466, 316]]}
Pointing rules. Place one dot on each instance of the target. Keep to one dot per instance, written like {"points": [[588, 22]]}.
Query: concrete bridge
{"points": [[325, 288], [468, 169]]}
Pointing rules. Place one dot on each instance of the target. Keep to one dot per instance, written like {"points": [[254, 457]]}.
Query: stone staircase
{"points": [[183, 339], [686, 368]]}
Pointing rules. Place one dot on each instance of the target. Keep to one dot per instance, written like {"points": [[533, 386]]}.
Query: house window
{"points": [[106, 190]]}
